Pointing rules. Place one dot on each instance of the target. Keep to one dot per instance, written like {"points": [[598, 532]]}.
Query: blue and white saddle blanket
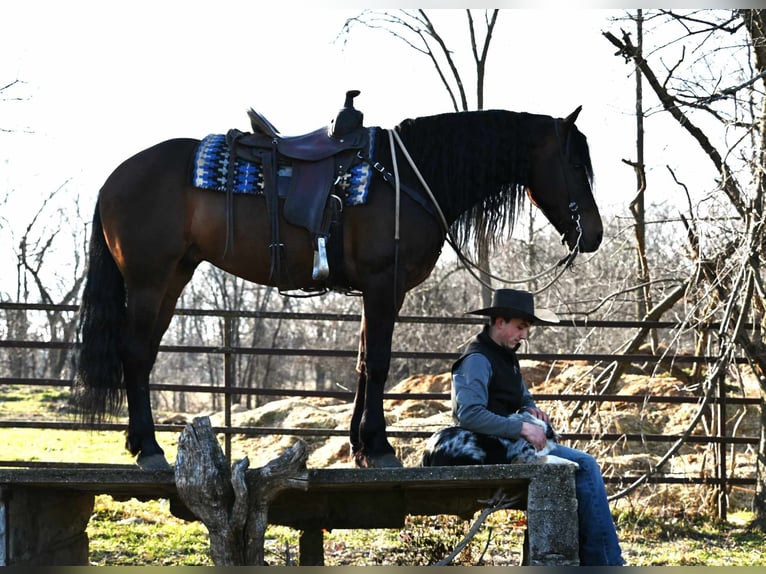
{"points": [[211, 171]]}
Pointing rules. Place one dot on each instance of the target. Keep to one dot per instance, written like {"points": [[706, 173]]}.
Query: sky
{"points": [[97, 82]]}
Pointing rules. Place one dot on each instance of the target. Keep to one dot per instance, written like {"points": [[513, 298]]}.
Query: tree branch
{"points": [[669, 103], [499, 501]]}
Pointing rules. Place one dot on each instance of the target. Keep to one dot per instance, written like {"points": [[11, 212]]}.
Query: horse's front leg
{"points": [[369, 442], [361, 390]]}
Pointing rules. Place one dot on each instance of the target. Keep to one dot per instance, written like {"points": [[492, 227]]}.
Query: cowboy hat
{"points": [[515, 303]]}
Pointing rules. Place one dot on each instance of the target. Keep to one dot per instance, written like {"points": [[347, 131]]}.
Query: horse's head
{"points": [[560, 180]]}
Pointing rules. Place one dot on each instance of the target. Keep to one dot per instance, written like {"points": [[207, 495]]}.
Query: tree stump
{"points": [[232, 503]]}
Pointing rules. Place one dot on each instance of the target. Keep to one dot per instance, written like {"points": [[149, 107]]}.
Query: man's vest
{"points": [[506, 386]]}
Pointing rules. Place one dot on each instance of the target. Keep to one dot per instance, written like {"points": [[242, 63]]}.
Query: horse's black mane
{"points": [[476, 164]]}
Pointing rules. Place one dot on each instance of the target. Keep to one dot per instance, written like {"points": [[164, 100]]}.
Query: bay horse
{"points": [[152, 227]]}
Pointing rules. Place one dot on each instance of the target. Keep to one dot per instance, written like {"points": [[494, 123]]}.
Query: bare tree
{"points": [[417, 30], [714, 90], [41, 278], [638, 204], [214, 289]]}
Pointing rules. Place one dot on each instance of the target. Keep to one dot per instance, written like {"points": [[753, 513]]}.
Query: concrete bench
{"points": [[44, 511], [383, 498]]}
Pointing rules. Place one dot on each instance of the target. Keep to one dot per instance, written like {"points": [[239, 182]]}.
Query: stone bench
{"points": [[383, 498], [44, 511]]}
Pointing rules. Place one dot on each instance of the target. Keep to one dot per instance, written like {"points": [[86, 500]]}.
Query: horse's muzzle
{"points": [[579, 242], [590, 243]]}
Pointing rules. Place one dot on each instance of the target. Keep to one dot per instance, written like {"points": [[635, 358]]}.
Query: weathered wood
{"points": [[264, 484], [204, 483], [233, 506], [552, 520], [383, 498], [311, 547]]}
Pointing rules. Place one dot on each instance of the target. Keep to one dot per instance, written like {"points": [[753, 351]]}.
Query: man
{"points": [[488, 397]]}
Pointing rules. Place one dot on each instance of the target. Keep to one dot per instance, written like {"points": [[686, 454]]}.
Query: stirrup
{"points": [[321, 266]]}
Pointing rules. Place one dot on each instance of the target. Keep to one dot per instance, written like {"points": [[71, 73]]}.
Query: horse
{"points": [[152, 227]]}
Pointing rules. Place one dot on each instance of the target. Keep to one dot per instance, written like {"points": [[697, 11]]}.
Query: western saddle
{"points": [[318, 161]]}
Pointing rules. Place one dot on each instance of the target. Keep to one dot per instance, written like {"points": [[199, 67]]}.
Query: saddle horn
{"points": [[348, 118], [570, 119]]}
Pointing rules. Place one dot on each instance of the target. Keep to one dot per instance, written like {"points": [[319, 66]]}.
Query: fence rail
{"points": [[718, 402]]}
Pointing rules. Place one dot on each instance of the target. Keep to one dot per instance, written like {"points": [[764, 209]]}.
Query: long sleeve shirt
{"points": [[470, 397]]}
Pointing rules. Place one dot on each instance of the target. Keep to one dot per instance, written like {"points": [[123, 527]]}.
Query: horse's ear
{"points": [[570, 119]]}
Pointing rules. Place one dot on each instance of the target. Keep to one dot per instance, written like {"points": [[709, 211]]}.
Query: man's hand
{"points": [[535, 434], [538, 414]]}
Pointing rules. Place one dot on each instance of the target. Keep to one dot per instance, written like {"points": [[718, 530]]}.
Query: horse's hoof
{"points": [[381, 461], [153, 462]]}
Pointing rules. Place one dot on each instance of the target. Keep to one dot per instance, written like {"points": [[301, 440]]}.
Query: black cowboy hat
{"points": [[515, 303]]}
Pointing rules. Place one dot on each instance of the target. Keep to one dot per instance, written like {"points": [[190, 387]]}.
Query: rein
{"points": [[470, 265], [397, 200]]}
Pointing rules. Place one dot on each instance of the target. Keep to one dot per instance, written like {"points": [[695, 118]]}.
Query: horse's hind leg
{"points": [[139, 351], [149, 312]]}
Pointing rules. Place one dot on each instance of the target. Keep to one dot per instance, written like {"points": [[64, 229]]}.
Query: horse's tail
{"points": [[98, 377]]}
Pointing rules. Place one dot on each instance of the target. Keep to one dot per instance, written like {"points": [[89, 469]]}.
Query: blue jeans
{"points": [[598, 537]]}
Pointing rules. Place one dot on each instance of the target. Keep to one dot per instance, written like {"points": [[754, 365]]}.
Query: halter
{"points": [[574, 209]]}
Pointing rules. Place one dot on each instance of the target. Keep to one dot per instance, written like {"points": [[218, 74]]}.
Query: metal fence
{"points": [[718, 402]]}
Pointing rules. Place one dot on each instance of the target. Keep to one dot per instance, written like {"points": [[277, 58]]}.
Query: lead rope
{"points": [[470, 265], [397, 205]]}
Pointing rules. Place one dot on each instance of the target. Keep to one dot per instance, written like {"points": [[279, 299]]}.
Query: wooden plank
{"points": [[421, 477], [121, 481]]}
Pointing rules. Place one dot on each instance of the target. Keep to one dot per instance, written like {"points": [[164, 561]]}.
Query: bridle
{"points": [[574, 208]]}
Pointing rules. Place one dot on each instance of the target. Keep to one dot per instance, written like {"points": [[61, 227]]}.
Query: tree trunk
{"points": [[755, 21], [232, 504]]}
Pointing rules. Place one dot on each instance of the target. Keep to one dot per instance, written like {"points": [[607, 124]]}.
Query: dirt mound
{"points": [[422, 384], [410, 415]]}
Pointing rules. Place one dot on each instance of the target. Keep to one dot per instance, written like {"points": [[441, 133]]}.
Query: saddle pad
{"points": [[211, 168]]}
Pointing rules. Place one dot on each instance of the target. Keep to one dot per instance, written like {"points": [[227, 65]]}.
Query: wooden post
{"points": [[311, 547], [232, 504], [229, 381], [722, 472], [286, 472]]}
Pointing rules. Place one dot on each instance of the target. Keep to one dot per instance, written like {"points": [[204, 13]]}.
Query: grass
{"points": [[693, 541], [21, 401], [144, 533], [133, 533], [54, 445]]}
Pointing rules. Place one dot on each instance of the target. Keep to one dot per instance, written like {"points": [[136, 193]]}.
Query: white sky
{"points": [[99, 81]]}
